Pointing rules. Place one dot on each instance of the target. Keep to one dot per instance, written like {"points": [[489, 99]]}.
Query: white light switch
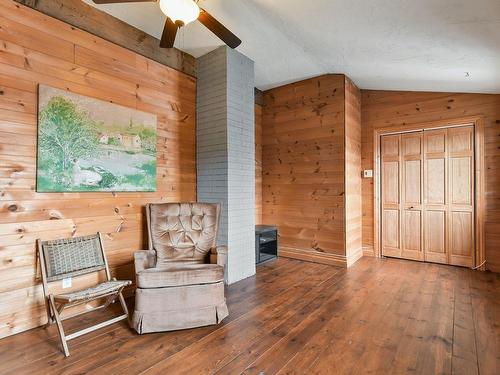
{"points": [[368, 173], [66, 283]]}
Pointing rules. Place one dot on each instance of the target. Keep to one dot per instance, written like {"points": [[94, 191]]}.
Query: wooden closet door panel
{"points": [[390, 191], [461, 241], [461, 196], [435, 239], [412, 228], [435, 196], [461, 181], [412, 182], [412, 143], [461, 139], [435, 186], [390, 146], [412, 174], [391, 195], [390, 233], [435, 141]]}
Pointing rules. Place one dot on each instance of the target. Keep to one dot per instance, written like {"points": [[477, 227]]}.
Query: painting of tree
{"points": [[85, 144], [66, 136]]}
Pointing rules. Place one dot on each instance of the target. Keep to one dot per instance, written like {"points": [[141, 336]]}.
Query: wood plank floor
{"points": [[380, 316]]}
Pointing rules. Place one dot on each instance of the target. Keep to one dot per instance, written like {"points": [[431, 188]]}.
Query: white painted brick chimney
{"points": [[226, 152]]}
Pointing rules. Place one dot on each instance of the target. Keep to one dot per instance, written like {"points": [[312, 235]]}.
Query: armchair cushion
{"points": [[183, 232], [179, 275]]}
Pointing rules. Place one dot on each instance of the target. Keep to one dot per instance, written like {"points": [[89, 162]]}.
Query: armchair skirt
{"points": [[173, 308]]}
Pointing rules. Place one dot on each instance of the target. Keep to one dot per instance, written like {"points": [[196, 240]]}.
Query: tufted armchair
{"points": [[180, 279]]}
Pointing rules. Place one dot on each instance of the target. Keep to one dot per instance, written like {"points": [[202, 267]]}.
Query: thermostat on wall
{"points": [[368, 173]]}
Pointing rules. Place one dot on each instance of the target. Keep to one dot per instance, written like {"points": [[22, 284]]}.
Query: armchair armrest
{"points": [[144, 259], [218, 255]]}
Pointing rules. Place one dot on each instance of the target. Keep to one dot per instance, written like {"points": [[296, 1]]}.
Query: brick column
{"points": [[226, 152]]}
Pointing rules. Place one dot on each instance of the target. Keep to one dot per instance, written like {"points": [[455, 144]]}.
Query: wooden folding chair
{"points": [[60, 259]]}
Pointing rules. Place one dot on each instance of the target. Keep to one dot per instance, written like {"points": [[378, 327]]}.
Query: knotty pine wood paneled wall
{"points": [[303, 162], [353, 209], [388, 108], [34, 49], [97, 22], [258, 164]]}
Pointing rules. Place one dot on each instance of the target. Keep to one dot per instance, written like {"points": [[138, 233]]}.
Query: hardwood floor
{"points": [[380, 316]]}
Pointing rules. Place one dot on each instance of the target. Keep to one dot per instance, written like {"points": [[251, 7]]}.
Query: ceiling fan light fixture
{"points": [[185, 11]]}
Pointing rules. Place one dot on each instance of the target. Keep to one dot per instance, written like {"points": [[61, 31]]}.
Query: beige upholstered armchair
{"points": [[178, 284]]}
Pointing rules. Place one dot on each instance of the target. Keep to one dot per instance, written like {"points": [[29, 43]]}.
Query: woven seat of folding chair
{"points": [[94, 292]]}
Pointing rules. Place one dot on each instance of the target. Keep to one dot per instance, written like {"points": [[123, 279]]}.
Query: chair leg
{"points": [[50, 317], [59, 326], [124, 305], [109, 301]]}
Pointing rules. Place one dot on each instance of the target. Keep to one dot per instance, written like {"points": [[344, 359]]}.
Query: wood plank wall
{"points": [[388, 108], [353, 209], [303, 168], [91, 19], [34, 49], [258, 164]]}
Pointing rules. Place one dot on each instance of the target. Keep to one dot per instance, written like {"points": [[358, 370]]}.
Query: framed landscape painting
{"points": [[86, 144]]}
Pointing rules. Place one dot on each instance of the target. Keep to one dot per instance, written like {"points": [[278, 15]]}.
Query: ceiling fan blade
{"points": [[169, 33], [121, 1], [218, 29]]}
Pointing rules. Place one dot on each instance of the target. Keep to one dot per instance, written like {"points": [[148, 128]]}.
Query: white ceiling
{"points": [[430, 45]]}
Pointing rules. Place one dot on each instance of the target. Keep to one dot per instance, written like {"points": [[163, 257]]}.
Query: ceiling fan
{"points": [[181, 12]]}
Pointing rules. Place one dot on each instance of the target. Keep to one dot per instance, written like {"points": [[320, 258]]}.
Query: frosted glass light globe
{"points": [[185, 11]]}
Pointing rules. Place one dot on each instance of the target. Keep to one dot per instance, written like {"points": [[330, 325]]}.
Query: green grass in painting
{"points": [[144, 179]]}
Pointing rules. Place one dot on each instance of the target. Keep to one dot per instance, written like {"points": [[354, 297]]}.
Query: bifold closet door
{"points": [[412, 199], [391, 195], [402, 217], [461, 196], [435, 192], [427, 195], [449, 196]]}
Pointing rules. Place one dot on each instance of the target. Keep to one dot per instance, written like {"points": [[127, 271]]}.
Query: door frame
{"points": [[478, 123]]}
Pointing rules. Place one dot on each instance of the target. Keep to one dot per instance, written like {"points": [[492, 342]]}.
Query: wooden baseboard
{"points": [[313, 256], [368, 251], [354, 257]]}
